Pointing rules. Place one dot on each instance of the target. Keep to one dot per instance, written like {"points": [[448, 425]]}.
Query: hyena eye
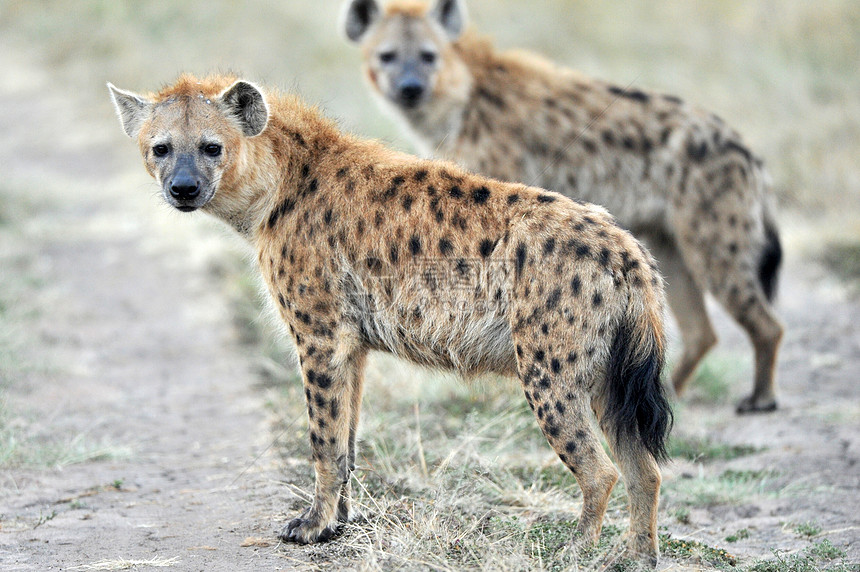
{"points": [[428, 57], [212, 149], [160, 150], [387, 57]]}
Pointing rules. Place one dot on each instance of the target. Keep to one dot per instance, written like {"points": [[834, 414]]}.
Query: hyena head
{"points": [[407, 50], [192, 136]]}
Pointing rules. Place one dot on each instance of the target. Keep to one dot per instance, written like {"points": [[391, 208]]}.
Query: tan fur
{"points": [[363, 248], [677, 176]]}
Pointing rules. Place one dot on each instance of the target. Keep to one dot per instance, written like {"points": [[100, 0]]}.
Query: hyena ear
{"points": [[131, 108], [358, 16], [246, 103], [451, 15]]}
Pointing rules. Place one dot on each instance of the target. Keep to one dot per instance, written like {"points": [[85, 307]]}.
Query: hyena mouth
{"points": [[186, 208]]}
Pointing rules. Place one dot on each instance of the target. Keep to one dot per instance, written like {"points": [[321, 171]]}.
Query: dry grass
{"points": [[123, 564]]}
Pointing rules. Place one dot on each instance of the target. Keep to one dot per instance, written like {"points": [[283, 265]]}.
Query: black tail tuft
{"points": [[771, 257], [637, 407]]}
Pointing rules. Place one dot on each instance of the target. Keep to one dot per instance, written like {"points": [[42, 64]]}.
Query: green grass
{"points": [[741, 534], [695, 551], [713, 378], [820, 557], [730, 487], [703, 449], [843, 259], [807, 529]]}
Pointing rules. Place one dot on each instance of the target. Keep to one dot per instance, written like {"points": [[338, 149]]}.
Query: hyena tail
{"points": [[637, 407], [770, 260]]}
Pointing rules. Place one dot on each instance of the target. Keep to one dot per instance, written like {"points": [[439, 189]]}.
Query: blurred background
{"points": [[785, 73]]}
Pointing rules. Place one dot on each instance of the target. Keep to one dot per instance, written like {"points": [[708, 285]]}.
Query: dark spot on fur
{"points": [[576, 285], [597, 300], [553, 299], [633, 94], [420, 175], [604, 257], [549, 246], [415, 245], [323, 381], [480, 195], [521, 258], [492, 98], [445, 246], [543, 198], [555, 365], [697, 152], [540, 355], [341, 173], [512, 198], [486, 247], [737, 147], [455, 191], [407, 203]]}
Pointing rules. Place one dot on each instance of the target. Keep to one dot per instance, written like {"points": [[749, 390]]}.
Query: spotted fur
{"points": [[363, 248]]}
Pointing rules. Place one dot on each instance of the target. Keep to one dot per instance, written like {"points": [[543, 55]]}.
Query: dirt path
{"points": [[133, 358]]}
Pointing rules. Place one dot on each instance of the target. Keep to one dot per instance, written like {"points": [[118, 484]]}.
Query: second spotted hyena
{"points": [[363, 249], [677, 176]]}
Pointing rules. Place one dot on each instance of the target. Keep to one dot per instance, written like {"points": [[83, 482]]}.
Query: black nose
{"points": [[411, 93], [184, 187]]}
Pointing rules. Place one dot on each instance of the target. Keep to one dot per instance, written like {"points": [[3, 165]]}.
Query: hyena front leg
{"points": [[356, 389], [329, 389], [687, 301]]}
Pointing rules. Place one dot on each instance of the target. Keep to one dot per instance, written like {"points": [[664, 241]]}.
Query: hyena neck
{"points": [[280, 165], [435, 124]]}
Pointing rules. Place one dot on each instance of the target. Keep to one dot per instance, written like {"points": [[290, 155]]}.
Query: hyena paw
{"points": [[753, 404], [308, 530], [641, 549]]}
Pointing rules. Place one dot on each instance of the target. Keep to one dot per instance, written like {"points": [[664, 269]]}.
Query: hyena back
{"points": [[678, 177], [362, 249]]}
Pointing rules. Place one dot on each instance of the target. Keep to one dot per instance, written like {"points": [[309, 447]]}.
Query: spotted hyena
{"points": [[363, 248], [677, 176]]}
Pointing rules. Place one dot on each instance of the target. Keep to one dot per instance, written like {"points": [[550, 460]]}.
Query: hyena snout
{"points": [[184, 188], [410, 91]]}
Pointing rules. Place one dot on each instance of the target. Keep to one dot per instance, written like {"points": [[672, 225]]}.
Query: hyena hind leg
{"points": [[755, 315], [687, 301], [564, 417], [642, 479]]}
